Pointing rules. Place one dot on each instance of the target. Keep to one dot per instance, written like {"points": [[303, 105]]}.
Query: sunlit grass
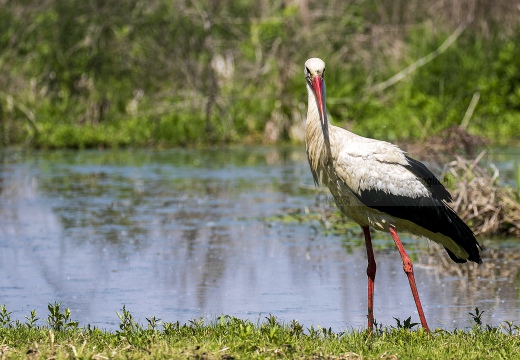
{"points": [[232, 338]]}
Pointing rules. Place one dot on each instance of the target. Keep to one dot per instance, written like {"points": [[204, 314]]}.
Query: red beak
{"points": [[317, 84]]}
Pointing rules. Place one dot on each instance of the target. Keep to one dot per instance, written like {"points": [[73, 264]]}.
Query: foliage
{"points": [[407, 324], [57, 320], [437, 95], [228, 337], [162, 73], [477, 317], [5, 317], [127, 325]]}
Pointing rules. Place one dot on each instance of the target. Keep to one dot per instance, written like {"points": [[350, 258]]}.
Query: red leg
{"points": [[371, 272], [408, 269]]}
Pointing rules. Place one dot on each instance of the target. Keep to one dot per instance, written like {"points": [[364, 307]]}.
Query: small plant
{"points": [[378, 328], [57, 320], [153, 322], [327, 333], [197, 323], [510, 328], [313, 333], [406, 325], [271, 328], [171, 327], [477, 317], [244, 328], [5, 317], [295, 328], [127, 323], [31, 320]]}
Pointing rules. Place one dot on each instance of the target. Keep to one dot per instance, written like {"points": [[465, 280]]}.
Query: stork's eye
{"points": [[323, 73], [307, 71]]}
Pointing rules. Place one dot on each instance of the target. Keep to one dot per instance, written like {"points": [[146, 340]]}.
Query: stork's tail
{"points": [[462, 235]]}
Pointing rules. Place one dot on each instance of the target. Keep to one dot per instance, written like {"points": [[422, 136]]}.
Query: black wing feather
{"points": [[420, 170], [429, 212]]}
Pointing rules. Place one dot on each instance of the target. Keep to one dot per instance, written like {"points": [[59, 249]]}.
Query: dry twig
{"points": [[489, 207]]}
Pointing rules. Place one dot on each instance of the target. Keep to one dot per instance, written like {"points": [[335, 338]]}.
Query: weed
{"points": [[510, 328], [127, 325], [59, 321], [271, 328], [153, 322], [31, 320], [406, 325], [313, 333], [327, 333], [170, 328], [378, 328], [5, 317], [295, 328], [477, 317]]}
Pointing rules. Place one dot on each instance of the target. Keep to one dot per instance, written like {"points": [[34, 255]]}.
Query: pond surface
{"points": [[183, 234]]}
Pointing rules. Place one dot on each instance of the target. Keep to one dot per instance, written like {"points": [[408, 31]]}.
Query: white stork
{"points": [[375, 184]]}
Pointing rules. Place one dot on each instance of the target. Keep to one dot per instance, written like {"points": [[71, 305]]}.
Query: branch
{"points": [[469, 112], [445, 45]]}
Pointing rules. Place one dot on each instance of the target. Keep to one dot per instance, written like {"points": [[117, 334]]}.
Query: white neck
{"points": [[316, 137]]}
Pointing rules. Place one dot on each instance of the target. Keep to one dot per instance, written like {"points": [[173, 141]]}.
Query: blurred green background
{"points": [[92, 73]]}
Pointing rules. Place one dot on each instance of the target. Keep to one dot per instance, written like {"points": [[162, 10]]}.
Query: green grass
{"points": [[232, 338]]}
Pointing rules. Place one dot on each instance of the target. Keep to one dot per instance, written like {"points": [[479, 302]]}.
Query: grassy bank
{"points": [[233, 338], [170, 73]]}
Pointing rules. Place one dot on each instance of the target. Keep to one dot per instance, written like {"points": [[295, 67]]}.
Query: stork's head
{"points": [[314, 74]]}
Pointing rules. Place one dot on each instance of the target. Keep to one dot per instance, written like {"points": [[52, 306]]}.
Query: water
{"points": [[183, 234]]}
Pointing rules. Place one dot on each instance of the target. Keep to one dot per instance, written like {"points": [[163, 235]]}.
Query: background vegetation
{"points": [[186, 72]]}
